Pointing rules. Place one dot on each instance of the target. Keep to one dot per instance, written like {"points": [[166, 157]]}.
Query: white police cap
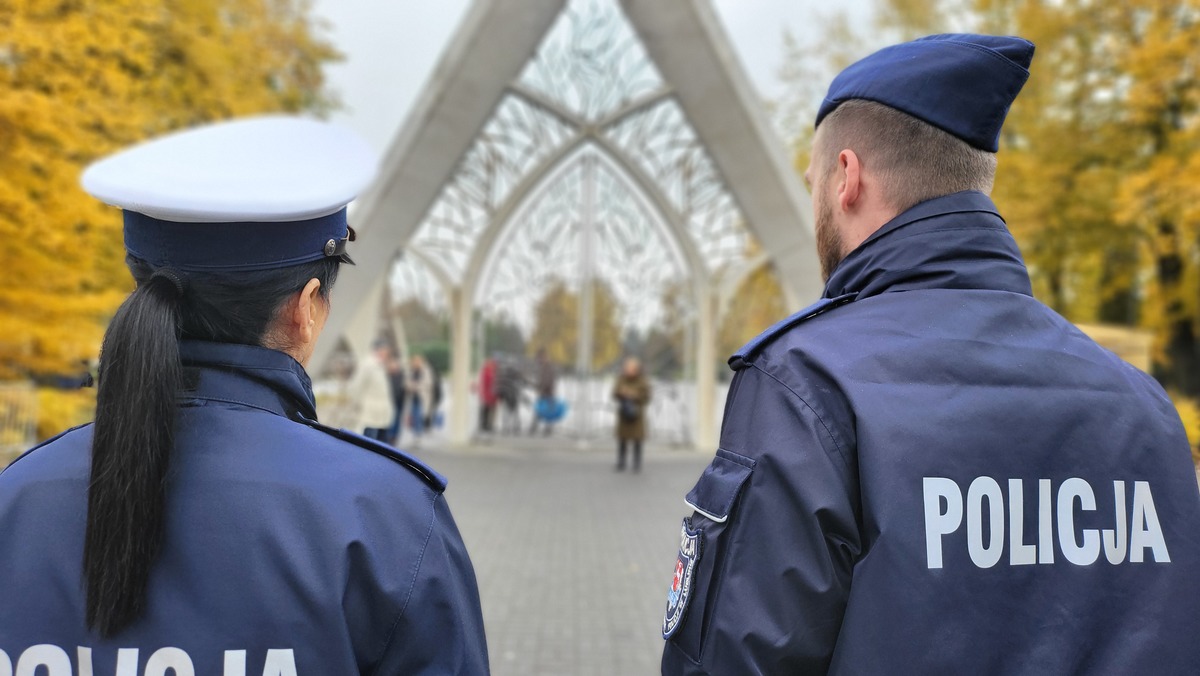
{"points": [[249, 194]]}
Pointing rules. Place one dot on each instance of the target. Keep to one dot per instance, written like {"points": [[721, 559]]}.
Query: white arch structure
{"points": [[668, 106]]}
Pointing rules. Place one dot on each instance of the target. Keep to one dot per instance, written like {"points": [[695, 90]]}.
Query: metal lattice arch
{"points": [[535, 108]]}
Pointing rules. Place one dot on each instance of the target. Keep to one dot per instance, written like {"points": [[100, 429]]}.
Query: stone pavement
{"points": [[573, 559]]}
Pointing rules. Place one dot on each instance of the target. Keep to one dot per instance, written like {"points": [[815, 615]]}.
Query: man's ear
{"points": [[304, 312], [850, 183]]}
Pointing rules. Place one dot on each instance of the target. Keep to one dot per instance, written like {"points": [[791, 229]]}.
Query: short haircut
{"points": [[914, 160]]}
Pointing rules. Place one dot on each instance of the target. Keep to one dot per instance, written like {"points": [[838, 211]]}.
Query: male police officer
{"points": [[929, 471]]}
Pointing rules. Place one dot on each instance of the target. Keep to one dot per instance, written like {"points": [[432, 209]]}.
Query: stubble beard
{"points": [[829, 238]]}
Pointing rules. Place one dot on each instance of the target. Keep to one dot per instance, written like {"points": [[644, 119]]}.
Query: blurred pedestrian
{"points": [[420, 393], [632, 394], [510, 388], [433, 414], [396, 383], [546, 386], [372, 389], [488, 395]]}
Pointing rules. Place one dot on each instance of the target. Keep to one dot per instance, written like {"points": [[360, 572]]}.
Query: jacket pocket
{"points": [[704, 539]]}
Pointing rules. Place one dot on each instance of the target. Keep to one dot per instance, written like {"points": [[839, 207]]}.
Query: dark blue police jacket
{"points": [[930, 472], [291, 549]]}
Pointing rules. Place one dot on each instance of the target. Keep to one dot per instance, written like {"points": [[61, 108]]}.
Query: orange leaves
{"points": [[81, 79]]}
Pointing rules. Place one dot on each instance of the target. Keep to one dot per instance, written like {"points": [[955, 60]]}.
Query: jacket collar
{"points": [[958, 241], [249, 375]]}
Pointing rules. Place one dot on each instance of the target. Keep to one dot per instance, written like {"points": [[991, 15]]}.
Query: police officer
{"points": [[206, 523], [929, 471]]}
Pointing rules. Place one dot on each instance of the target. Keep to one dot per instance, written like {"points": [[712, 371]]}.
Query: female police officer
{"points": [[206, 523]]}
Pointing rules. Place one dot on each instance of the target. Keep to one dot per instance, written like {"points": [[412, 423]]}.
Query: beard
{"points": [[829, 238]]}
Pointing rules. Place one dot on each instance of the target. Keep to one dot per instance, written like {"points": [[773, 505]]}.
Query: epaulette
{"points": [[741, 358], [56, 437], [436, 481]]}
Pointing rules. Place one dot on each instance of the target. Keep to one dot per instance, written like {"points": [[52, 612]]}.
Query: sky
{"points": [[391, 47]]}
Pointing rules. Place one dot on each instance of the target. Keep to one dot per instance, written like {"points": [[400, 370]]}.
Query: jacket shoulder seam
{"points": [[431, 478], [412, 584], [43, 444], [829, 433]]}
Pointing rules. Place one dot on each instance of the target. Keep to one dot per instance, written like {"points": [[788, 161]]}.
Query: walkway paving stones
{"points": [[573, 558]]}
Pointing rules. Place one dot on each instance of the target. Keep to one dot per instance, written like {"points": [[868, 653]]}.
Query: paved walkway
{"points": [[573, 559]]}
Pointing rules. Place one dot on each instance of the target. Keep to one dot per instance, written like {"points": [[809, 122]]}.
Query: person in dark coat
{"points": [[928, 471], [488, 395], [510, 385], [207, 523], [631, 393], [399, 392], [546, 384]]}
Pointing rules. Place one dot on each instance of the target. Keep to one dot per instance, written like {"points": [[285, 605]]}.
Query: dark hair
{"points": [[140, 375]]}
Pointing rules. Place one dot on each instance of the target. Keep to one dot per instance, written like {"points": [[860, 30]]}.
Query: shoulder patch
{"points": [[436, 481], [683, 580], [52, 439], [742, 356]]}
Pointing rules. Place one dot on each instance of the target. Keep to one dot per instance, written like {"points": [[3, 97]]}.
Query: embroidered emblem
{"points": [[681, 582]]}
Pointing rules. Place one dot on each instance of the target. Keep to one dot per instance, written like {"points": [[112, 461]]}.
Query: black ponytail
{"points": [[139, 377]]}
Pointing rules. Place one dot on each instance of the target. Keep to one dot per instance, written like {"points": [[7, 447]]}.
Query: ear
{"points": [[850, 187], [304, 312]]}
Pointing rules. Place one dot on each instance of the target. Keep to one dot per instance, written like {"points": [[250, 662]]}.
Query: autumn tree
{"points": [[82, 78], [556, 325], [1159, 198], [758, 303]]}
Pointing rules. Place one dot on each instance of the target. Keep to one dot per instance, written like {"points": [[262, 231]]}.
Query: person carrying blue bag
{"points": [[547, 408]]}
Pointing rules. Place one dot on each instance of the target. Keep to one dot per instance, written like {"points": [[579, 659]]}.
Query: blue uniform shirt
{"points": [[930, 472], [290, 548]]}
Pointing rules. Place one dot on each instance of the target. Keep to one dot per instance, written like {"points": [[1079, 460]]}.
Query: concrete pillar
{"points": [[706, 373], [587, 323], [461, 320]]}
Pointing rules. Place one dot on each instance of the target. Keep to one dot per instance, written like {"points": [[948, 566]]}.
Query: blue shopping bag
{"points": [[550, 410]]}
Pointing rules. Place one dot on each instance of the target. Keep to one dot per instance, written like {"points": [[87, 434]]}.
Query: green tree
{"points": [[503, 335], [422, 325], [82, 78]]}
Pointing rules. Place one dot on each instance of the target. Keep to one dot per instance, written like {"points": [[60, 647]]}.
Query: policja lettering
{"points": [[1141, 532], [57, 663]]}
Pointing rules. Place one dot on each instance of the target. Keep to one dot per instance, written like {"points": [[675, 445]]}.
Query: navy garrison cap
{"points": [[959, 82], [252, 194]]}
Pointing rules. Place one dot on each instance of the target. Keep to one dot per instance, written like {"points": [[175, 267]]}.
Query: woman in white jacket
{"points": [[370, 387]]}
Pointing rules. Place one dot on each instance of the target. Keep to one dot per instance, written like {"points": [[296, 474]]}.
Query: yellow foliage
{"points": [[556, 326], [59, 410], [758, 304], [1189, 413], [82, 78]]}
